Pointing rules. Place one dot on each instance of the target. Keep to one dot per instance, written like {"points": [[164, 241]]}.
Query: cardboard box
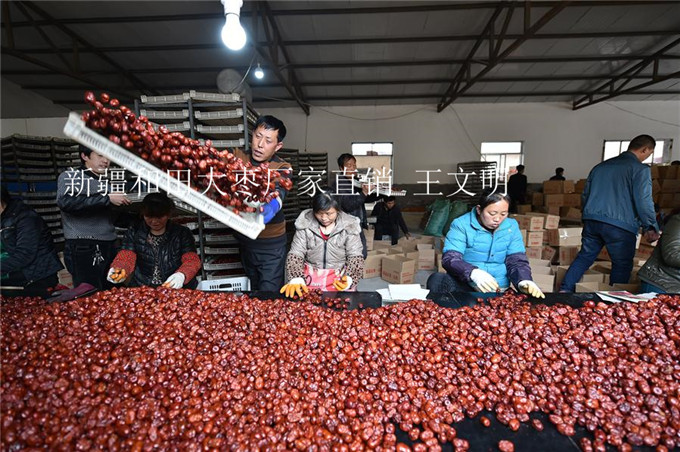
{"points": [[534, 252], [553, 200], [537, 199], [413, 255], [567, 254], [530, 223], [572, 200], [370, 235], [580, 186], [644, 252], [666, 200], [382, 244], [524, 236], [524, 208], [604, 255], [549, 253], [373, 264], [571, 213], [655, 171], [425, 239], [549, 221], [544, 282], [666, 171], [398, 269], [539, 263], [541, 270], [670, 186], [603, 287], [426, 256], [534, 238], [656, 187], [396, 250], [590, 276], [602, 267], [407, 244], [564, 236], [558, 186]]}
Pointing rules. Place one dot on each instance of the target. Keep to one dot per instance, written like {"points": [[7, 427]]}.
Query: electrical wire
{"points": [[250, 66], [352, 117], [643, 116], [474, 146]]}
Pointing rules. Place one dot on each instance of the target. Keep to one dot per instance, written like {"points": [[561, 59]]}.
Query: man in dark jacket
{"points": [[617, 201], [517, 188], [389, 220], [86, 212], [559, 174], [28, 256], [351, 195], [264, 258]]}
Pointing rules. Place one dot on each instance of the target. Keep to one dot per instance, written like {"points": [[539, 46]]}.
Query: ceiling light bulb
{"points": [[233, 34], [259, 73]]}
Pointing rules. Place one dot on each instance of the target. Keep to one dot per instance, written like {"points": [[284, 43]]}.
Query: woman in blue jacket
{"points": [[484, 252]]}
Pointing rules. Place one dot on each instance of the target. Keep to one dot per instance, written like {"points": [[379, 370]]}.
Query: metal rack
{"points": [[226, 120], [30, 168]]}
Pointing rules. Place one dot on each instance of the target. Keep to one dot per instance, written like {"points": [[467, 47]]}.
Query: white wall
{"points": [[553, 134]]}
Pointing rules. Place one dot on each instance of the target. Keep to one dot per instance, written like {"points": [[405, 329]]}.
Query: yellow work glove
{"points": [[530, 288], [342, 283], [295, 286]]}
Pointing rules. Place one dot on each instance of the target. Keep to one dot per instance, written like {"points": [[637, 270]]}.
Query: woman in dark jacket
{"points": [[28, 256], [661, 272], [157, 251]]}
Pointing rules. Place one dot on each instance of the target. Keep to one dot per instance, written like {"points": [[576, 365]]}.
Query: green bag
{"points": [[439, 213], [457, 209]]}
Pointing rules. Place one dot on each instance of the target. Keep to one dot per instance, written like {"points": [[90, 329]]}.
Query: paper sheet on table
{"points": [[408, 292], [617, 296]]}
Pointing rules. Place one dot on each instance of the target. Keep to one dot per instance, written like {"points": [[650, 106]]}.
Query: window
{"points": [[372, 155], [662, 151], [506, 154]]}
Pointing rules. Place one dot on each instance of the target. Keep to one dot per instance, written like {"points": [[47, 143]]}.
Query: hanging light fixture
{"points": [[233, 34], [259, 73]]}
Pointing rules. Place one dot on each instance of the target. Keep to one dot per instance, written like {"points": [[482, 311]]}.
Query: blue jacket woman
{"points": [[484, 251]]}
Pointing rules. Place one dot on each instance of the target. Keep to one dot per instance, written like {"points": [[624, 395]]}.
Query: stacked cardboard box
{"points": [[542, 274], [666, 186]]}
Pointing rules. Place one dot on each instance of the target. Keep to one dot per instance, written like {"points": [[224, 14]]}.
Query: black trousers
{"points": [[264, 261], [35, 289], [88, 261], [381, 230]]}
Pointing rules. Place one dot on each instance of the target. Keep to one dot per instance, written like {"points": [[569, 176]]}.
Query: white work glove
{"points": [[530, 288], [116, 275], [175, 281], [483, 280], [342, 284]]}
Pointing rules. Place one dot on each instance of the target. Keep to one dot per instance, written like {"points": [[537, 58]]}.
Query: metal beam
{"points": [[446, 62], [7, 24], [359, 41], [291, 83], [122, 71], [309, 83], [411, 96], [455, 89], [53, 69], [617, 84], [441, 6], [41, 32]]}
